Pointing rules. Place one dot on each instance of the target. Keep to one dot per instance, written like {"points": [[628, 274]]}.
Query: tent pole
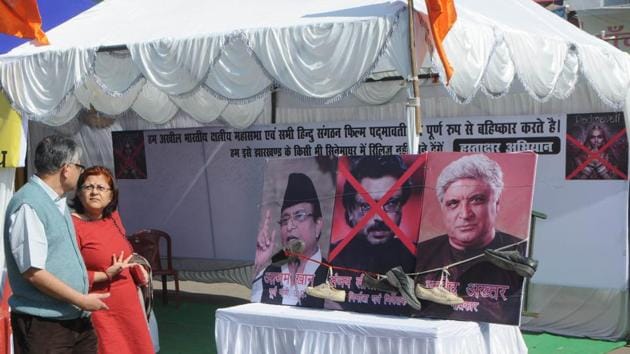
{"points": [[415, 101]]}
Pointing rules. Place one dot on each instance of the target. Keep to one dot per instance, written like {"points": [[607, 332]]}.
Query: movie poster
{"points": [[597, 146], [375, 227], [474, 202], [129, 155]]}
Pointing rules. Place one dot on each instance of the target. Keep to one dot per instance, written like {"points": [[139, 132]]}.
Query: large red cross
{"points": [[377, 207], [592, 155], [128, 161]]}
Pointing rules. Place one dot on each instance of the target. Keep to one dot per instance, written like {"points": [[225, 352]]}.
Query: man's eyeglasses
{"points": [[392, 206], [91, 187], [297, 217], [78, 165]]}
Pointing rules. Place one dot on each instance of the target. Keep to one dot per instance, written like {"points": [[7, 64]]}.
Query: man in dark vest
{"points": [[48, 278], [300, 219]]}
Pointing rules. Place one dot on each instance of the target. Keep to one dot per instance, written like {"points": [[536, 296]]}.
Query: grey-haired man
{"points": [[48, 278]]}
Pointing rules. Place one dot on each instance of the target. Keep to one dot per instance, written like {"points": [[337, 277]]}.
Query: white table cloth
{"points": [[262, 328]]}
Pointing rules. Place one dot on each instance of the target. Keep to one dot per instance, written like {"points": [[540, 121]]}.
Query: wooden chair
{"points": [[146, 242]]}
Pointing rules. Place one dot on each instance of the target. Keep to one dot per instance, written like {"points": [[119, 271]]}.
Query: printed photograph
{"points": [[471, 255], [129, 155], [294, 231], [597, 146], [375, 227]]}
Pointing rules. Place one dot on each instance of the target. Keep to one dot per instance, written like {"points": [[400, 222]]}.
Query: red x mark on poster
{"points": [[377, 207], [597, 155], [128, 161]]}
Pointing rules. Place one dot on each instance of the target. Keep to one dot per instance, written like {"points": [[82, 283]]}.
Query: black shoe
{"points": [[380, 284], [281, 257], [512, 260], [401, 281]]}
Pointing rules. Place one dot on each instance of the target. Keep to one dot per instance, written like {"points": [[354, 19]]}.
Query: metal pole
{"points": [[415, 101]]}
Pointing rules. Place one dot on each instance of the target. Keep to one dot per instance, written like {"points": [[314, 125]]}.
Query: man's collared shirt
{"points": [[292, 293], [27, 237]]}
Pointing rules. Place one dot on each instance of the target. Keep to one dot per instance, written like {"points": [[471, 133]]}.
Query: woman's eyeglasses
{"points": [[91, 188]]}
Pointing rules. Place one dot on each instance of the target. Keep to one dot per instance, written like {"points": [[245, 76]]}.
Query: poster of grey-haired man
{"points": [[480, 202]]}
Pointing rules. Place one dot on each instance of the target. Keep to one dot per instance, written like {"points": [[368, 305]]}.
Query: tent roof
{"points": [[126, 22], [214, 59]]}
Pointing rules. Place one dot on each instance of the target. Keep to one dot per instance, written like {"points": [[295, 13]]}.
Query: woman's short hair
{"points": [[96, 171]]}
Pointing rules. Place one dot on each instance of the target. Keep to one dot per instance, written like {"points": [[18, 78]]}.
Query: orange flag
{"points": [[442, 15], [20, 18]]}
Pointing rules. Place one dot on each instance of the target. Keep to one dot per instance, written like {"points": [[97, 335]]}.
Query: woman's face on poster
{"points": [[596, 139]]}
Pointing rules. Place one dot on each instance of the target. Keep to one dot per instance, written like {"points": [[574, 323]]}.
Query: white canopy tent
{"points": [[221, 58], [187, 63]]}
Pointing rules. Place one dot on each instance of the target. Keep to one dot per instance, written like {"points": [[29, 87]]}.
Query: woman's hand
{"points": [[119, 263]]}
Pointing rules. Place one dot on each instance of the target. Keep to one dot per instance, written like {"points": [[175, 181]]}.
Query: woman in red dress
{"points": [[122, 329]]}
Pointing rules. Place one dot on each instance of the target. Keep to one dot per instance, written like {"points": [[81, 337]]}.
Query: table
{"points": [[263, 328]]}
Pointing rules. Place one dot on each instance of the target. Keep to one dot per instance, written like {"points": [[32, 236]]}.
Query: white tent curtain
{"points": [[224, 65], [222, 74], [93, 132], [435, 102], [494, 42], [386, 102]]}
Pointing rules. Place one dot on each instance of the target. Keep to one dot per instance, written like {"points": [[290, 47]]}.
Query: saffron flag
{"points": [[20, 18], [442, 16]]}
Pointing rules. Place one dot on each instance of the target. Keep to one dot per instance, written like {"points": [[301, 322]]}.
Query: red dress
{"points": [[122, 329]]}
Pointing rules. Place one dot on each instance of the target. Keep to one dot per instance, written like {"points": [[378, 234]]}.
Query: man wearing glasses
{"points": [[300, 221], [376, 247], [50, 303]]}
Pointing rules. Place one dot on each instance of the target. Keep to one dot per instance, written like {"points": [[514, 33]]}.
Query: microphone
{"points": [[294, 246]]}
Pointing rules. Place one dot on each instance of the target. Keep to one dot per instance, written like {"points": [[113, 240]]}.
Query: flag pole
{"points": [[415, 101]]}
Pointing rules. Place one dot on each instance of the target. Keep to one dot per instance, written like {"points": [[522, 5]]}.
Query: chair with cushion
{"points": [[147, 243]]}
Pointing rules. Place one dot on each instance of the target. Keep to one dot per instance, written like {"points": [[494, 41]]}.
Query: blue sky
{"points": [[53, 13]]}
